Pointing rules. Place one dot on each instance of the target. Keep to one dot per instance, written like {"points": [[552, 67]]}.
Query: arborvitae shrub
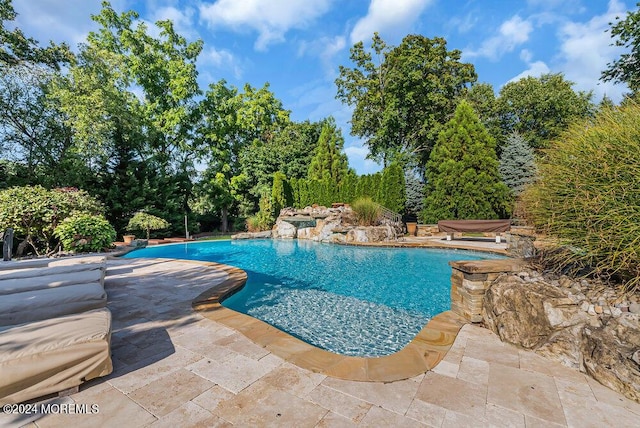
{"points": [[391, 193], [462, 173]]}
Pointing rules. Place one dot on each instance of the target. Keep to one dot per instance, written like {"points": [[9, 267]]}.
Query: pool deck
{"points": [[175, 367]]}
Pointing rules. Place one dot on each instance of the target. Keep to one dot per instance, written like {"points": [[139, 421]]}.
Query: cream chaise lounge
{"points": [[55, 329]]}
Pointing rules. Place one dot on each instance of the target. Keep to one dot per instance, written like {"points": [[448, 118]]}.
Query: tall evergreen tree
{"points": [[414, 189], [462, 173], [329, 162], [392, 188], [517, 163], [281, 194]]}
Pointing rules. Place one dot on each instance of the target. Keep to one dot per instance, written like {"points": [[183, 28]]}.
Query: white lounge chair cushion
{"points": [[21, 280], [37, 305]]}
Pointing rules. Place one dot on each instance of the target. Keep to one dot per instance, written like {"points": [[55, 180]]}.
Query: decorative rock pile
{"points": [[581, 323], [335, 225]]}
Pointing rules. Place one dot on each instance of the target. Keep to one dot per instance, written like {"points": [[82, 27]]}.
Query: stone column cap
{"points": [[489, 266]]}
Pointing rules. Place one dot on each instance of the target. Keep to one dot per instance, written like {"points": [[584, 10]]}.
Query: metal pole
{"points": [[186, 227]]}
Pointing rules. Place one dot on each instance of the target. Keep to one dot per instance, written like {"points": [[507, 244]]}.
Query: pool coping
{"points": [[422, 354]]}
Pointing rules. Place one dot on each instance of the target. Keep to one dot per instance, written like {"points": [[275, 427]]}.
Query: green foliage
{"points": [[588, 194], [483, 99], [369, 185], [329, 162], [367, 211], [517, 164], [146, 222], [347, 188], [281, 194], [415, 194], [16, 48], [540, 108], [626, 33], [401, 101], [85, 232], [392, 192], [265, 217], [253, 223], [34, 212], [462, 173]]}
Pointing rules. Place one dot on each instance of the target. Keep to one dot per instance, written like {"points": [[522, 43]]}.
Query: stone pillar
{"points": [[471, 279], [520, 240]]}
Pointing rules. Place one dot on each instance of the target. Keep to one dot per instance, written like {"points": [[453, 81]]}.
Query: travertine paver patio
{"points": [[174, 367]]}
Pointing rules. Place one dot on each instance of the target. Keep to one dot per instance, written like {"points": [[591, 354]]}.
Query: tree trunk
{"points": [[225, 220]]}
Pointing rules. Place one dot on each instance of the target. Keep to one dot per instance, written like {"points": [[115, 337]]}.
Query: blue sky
{"points": [[297, 45]]}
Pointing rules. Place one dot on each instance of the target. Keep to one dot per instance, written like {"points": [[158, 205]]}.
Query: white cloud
{"points": [[536, 69], [512, 33], [270, 18], [586, 49], [466, 23], [326, 49], [221, 59], [46, 20], [357, 159], [182, 19], [526, 55], [388, 15]]}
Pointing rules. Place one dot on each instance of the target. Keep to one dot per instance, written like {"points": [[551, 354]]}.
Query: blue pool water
{"points": [[359, 301]]}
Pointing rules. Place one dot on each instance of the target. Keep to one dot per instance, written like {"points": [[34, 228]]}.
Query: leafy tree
{"points": [[462, 173], [214, 194], [626, 69], [483, 100], [392, 194], [517, 164], [147, 223], [289, 151], [329, 161], [540, 108], [32, 129], [112, 126], [16, 48], [415, 194], [401, 100], [234, 126]]}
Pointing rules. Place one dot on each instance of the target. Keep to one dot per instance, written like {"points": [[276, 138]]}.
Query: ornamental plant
{"points": [[34, 213], [367, 212], [146, 222], [587, 196], [85, 232], [517, 163]]}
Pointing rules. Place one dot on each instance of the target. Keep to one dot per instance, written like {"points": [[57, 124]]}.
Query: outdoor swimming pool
{"points": [[359, 301]]}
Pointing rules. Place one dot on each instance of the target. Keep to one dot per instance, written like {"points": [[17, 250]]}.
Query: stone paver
{"points": [[195, 371]]}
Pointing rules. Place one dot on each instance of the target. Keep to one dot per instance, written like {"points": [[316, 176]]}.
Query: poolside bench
{"points": [[496, 226], [55, 329]]}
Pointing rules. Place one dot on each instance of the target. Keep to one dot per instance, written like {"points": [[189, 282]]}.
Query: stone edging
{"points": [[423, 353]]}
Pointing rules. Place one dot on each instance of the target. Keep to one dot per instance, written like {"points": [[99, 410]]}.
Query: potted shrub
{"points": [[128, 239], [412, 226]]}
